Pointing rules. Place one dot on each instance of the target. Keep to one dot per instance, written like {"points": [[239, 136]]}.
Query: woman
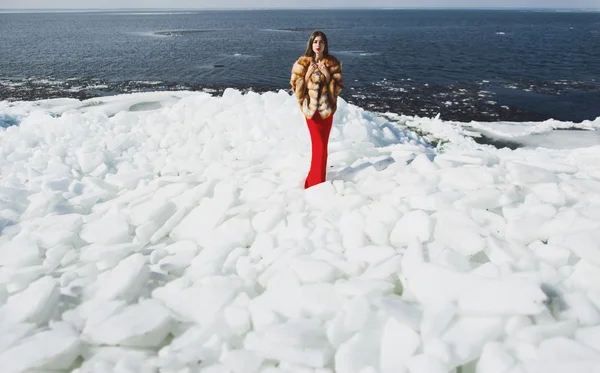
{"points": [[317, 81]]}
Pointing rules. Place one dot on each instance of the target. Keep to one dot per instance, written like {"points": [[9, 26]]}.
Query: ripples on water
{"points": [[465, 65]]}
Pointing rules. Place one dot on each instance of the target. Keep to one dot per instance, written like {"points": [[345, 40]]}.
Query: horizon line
{"points": [[306, 8]]}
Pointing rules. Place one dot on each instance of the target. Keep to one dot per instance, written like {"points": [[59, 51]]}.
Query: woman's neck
{"points": [[318, 57]]}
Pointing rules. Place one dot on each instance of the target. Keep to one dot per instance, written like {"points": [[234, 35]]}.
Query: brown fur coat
{"points": [[316, 94]]}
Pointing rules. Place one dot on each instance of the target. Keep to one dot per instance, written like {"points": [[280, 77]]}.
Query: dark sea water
{"points": [[464, 64]]}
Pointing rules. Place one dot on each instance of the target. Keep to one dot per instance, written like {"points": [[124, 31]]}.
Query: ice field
{"points": [[169, 232]]}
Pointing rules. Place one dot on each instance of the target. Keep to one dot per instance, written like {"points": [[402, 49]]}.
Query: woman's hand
{"points": [[321, 66], [311, 69]]}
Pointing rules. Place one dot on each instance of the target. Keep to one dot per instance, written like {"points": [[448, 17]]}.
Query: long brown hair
{"points": [[309, 51]]}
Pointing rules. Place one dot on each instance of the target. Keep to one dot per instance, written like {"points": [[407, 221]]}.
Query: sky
{"points": [[199, 4]]}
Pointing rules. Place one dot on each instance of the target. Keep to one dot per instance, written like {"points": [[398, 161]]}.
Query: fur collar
{"points": [[328, 61]]}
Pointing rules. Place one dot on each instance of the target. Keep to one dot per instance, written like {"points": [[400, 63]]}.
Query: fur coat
{"points": [[316, 94]]}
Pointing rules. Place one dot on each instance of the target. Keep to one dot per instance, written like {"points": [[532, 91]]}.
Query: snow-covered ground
{"points": [[169, 232]]}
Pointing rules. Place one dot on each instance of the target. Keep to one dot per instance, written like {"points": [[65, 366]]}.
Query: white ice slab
{"points": [[54, 349]]}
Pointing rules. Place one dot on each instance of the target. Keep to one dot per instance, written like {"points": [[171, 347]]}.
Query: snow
{"points": [[178, 238]]}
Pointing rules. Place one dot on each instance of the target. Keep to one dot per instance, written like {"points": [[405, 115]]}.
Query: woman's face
{"points": [[318, 45]]}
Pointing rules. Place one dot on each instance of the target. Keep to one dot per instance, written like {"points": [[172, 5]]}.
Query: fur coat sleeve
{"points": [[316, 94]]}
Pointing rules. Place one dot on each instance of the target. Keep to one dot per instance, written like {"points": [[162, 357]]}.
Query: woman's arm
{"points": [[298, 80], [337, 83]]}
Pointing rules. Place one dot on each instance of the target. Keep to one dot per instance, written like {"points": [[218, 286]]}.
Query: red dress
{"points": [[319, 129]]}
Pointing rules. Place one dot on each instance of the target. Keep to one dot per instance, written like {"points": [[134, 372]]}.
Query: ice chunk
{"points": [[262, 315], [352, 230], [310, 270], [555, 255], [10, 333], [526, 230], [238, 319], [201, 304], [461, 157], [350, 319], [126, 179], [468, 335], [19, 252], [126, 280], [594, 296], [524, 174], [209, 261], [181, 255], [299, 342], [416, 223], [516, 323], [208, 215], [398, 343], [423, 363], [383, 212], [466, 178], [437, 201], [215, 368], [321, 196], [144, 324], [371, 254], [502, 297], [493, 223], [387, 270], [361, 352], [241, 361], [552, 166], [585, 275], [170, 190], [109, 253], [412, 261], [377, 232], [550, 193], [110, 229], [320, 300], [439, 349], [457, 230], [569, 221], [580, 307], [494, 359], [403, 312], [256, 189], [232, 233], [534, 334], [34, 304], [589, 336], [560, 354], [375, 185], [89, 161], [54, 349], [154, 211], [364, 287], [436, 319], [143, 233], [433, 284], [59, 230], [284, 295], [168, 226], [585, 244], [266, 220], [499, 252], [92, 312], [487, 198], [422, 164]]}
